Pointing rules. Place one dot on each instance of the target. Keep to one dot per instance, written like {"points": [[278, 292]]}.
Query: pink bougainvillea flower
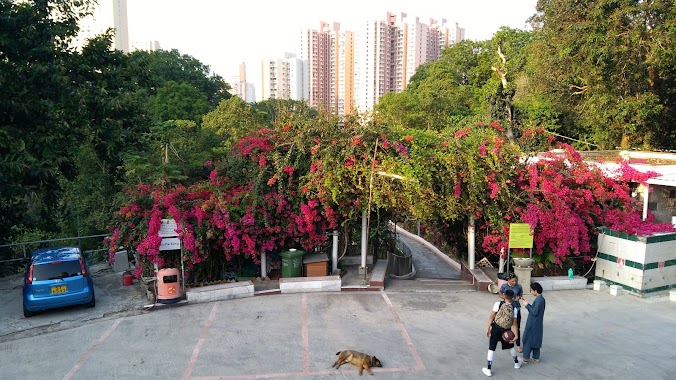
{"points": [[288, 170], [461, 133]]}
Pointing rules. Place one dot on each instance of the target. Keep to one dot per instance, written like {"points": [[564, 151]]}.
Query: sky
{"points": [[226, 33]]}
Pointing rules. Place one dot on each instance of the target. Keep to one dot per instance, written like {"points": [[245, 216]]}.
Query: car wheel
{"points": [[27, 313], [91, 303]]}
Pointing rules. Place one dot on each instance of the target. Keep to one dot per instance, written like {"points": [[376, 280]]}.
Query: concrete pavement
{"points": [[420, 329], [588, 335]]}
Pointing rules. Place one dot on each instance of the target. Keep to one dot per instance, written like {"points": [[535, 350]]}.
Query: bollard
{"points": [[598, 284], [614, 289]]}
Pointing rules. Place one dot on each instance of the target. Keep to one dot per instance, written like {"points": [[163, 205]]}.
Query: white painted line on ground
{"points": [[411, 347], [92, 349], [200, 343], [306, 336], [306, 351]]}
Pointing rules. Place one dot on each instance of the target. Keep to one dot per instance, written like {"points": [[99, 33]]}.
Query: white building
{"points": [[151, 45], [106, 15], [283, 78]]}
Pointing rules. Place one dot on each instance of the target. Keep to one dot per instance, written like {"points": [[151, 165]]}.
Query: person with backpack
{"points": [[532, 333], [518, 293], [503, 317]]}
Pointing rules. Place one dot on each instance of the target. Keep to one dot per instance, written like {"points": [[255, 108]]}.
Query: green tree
{"points": [[178, 101], [177, 152], [38, 126], [232, 120], [509, 47], [159, 67], [441, 93], [612, 67]]}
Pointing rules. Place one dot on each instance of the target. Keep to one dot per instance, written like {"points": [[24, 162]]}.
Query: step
{"points": [[379, 273], [221, 292], [310, 284]]}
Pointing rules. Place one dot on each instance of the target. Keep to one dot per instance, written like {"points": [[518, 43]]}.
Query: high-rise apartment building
{"points": [[283, 78], [242, 88], [342, 73], [107, 14], [329, 53], [390, 51], [150, 45], [316, 49], [375, 56]]}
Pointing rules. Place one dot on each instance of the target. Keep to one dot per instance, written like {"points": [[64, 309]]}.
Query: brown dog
{"points": [[358, 359]]}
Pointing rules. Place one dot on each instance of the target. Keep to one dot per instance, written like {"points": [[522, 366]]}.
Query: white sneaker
{"points": [[518, 364], [487, 372]]}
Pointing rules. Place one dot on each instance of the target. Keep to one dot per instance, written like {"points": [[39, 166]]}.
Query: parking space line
{"points": [[306, 336], [200, 343], [92, 349], [419, 365]]}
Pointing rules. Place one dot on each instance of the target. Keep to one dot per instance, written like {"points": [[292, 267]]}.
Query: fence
{"points": [[11, 255]]}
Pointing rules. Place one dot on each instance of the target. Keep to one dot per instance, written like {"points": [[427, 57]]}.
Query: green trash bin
{"points": [[292, 263]]}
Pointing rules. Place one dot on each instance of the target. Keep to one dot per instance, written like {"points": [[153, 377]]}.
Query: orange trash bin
{"points": [[168, 285]]}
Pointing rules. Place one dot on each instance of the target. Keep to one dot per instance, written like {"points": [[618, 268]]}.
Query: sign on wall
{"points": [[170, 240], [168, 228], [169, 244]]}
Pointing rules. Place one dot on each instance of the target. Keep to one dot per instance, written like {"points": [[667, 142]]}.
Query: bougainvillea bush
{"points": [[565, 199], [287, 185]]}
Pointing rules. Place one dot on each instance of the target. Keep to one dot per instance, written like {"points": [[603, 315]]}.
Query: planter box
{"points": [[221, 292], [559, 283], [641, 265], [310, 284]]}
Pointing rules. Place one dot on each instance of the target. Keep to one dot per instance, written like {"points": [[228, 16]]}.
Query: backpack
{"points": [[505, 315]]}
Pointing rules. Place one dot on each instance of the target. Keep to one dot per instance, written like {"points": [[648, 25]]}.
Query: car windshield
{"points": [[57, 269]]}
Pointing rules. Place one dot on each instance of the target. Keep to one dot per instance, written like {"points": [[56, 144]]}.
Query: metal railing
{"points": [[13, 254]]}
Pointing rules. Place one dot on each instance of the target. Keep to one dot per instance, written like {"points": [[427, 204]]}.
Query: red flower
{"points": [[460, 134]]}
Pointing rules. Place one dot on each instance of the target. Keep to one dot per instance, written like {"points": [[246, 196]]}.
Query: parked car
{"points": [[56, 277]]}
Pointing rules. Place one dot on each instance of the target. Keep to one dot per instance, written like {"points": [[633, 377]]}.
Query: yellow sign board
{"points": [[520, 235]]}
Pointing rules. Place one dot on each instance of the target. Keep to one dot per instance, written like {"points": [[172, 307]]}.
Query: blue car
{"points": [[56, 277]]}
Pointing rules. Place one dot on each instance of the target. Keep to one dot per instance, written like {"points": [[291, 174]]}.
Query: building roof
{"points": [[665, 180]]}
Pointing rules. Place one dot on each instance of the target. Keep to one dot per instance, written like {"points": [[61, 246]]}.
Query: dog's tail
{"points": [[338, 353]]}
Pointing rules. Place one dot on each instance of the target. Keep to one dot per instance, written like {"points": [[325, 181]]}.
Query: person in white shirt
{"points": [[494, 331]]}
